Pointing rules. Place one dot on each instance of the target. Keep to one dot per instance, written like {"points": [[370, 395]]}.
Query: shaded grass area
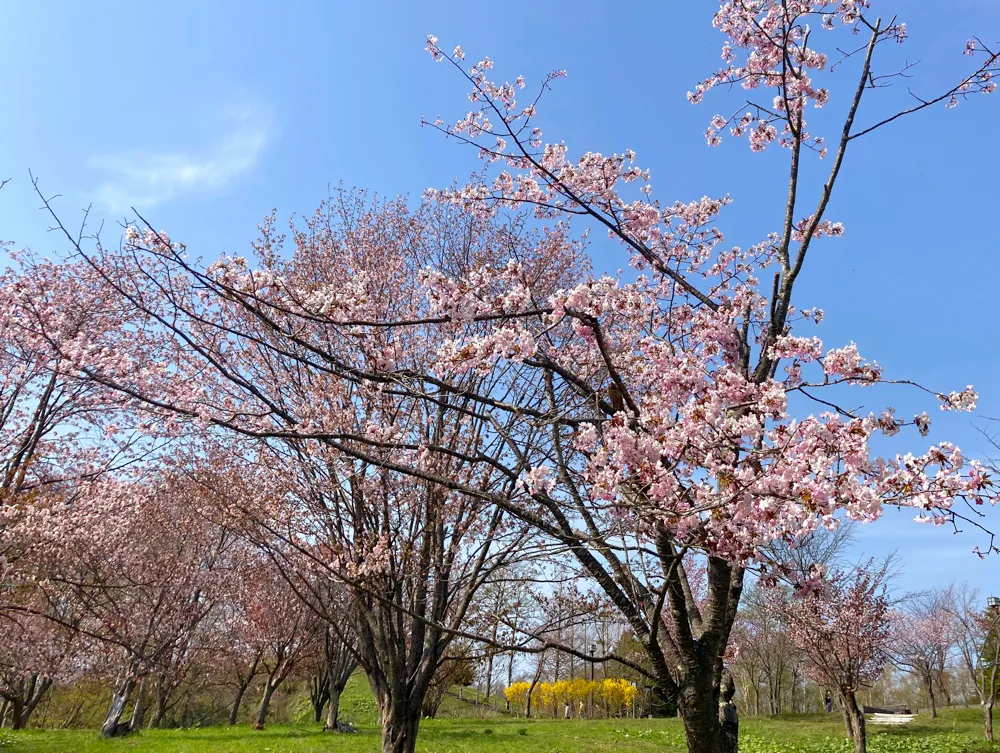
{"points": [[957, 731]]}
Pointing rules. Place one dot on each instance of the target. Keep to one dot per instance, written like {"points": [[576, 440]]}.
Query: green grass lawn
{"points": [[957, 731]]}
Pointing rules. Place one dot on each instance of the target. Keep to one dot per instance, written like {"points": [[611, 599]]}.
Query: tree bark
{"points": [[988, 721], [242, 684], [139, 709], [698, 707], [265, 703], [489, 671], [234, 713], [21, 705], [333, 709], [162, 700], [319, 690], [929, 681], [856, 719], [400, 723], [112, 726], [848, 722], [16, 712]]}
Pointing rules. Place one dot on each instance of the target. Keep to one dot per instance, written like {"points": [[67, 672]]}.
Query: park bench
{"points": [[891, 718], [898, 714], [892, 709]]}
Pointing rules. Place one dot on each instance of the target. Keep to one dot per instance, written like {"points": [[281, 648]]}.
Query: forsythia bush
{"points": [[615, 695]]}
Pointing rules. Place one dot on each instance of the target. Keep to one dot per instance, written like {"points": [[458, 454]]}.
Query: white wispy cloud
{"points": [[146, 177]]}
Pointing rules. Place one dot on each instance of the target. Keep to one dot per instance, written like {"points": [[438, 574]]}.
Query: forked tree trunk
{"points": [[319, 692], [242, 684], [341, 663], [318, 706], [22, 705]]}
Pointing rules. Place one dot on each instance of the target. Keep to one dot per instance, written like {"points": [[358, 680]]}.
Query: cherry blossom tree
{"points": [[284, 628], [844, 629], [628, 421], [137, 566], [923, 634], [337, 663], [34, 654]]}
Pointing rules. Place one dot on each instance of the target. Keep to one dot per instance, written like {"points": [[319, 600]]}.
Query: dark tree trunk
{"points": [[333, 709], [698, 707], [856, 720], [242, 684], [341, 662], [234, 712], [929, 681], [20, 707], [318, 711], [319, 694], [16, 712], [510, 679]]}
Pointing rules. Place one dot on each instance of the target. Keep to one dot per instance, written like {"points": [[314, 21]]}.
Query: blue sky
{"points": [[206, 115]]}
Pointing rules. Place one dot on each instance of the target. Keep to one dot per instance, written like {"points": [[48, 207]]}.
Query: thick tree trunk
{"points": [[234, 712], [988, 720], [112, 722], [16, 712], [139, 709], [400, 723], [698, 707], [265, 703]]}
